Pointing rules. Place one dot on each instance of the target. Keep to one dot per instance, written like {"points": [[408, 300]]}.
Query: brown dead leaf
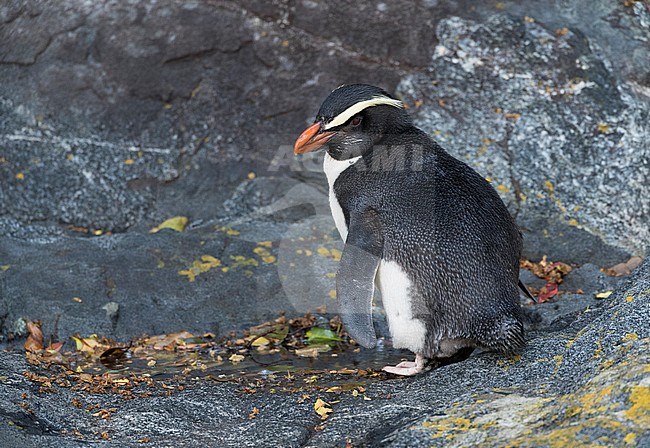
{"points": [[55, 346], [34, 341], [561, 31], [552, 272], [168, 341], [624, 268], [115, 358], [254, 413], [86, 345]]}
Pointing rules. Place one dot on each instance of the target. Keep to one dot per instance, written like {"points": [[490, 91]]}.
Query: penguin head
{"points": [[351, 120]]}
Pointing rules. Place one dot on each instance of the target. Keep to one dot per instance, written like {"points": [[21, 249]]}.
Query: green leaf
{"points": [[279, 332], [319, 335]]}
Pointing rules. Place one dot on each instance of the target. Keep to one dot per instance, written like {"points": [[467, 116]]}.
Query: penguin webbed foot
{"points": [[408, 368]]}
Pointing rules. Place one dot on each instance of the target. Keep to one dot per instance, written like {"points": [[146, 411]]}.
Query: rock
{"points": [[542, 116], [131, 284], [212, 413], [114, 119], [575, 384], [583, 383]]}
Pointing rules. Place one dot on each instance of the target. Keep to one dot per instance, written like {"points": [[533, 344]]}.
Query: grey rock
{"points": [[114, 117], [576, 383], [568, 376], [543, 117]]}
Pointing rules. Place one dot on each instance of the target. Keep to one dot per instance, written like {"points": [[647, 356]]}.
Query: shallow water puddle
{"points": [[309, 352]]}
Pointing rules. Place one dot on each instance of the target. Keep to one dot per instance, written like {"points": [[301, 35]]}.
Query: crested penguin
{"points": [[422, 226]]}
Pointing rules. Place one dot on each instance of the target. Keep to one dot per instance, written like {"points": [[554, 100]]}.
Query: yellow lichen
{"points": [[204, 264], [264, 254], [228, 230], [240, 260], [323, 251], [549, 186], [630, 439], [639, 412], [607, 364]]}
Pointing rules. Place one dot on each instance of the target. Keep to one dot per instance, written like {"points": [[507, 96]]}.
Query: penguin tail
{"points": [[508, 337]]}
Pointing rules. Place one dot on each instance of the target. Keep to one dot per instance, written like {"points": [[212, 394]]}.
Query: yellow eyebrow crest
{"points": [[351, 111]]}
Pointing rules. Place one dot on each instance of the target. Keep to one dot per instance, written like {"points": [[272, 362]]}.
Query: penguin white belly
{"points": [[333, 168], [395, 286]]}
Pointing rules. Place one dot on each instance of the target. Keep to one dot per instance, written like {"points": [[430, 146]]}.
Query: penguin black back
{"points": [[432, 232]]}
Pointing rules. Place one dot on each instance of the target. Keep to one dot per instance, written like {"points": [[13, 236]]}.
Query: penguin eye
{"points": [[356, 121]]}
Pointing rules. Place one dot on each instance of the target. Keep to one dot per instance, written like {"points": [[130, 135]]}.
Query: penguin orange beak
{"points": [[311, 139]]}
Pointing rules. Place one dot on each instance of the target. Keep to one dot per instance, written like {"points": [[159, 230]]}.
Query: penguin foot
{"points": [[407, 368]]}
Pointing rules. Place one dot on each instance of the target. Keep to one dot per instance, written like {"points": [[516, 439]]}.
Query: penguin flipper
{"points": [[355, 280], [526, 292]]}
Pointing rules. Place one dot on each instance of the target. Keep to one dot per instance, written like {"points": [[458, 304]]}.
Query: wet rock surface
{"points": [[114, 118]]}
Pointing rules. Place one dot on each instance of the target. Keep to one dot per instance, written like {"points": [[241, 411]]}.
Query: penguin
{"points": [[419, 224]]}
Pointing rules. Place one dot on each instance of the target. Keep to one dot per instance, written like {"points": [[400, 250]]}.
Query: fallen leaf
{"points": [[604, 294], [177, 223], [319, 335], [561, 32], [322, 408], [624, 268], [168, 341], [260, 342], [603, 128], [115, 358], [34, 341], [86, 345], [547, 292], [236, 359], [308, 352], [55, 346], [254, 413]]}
